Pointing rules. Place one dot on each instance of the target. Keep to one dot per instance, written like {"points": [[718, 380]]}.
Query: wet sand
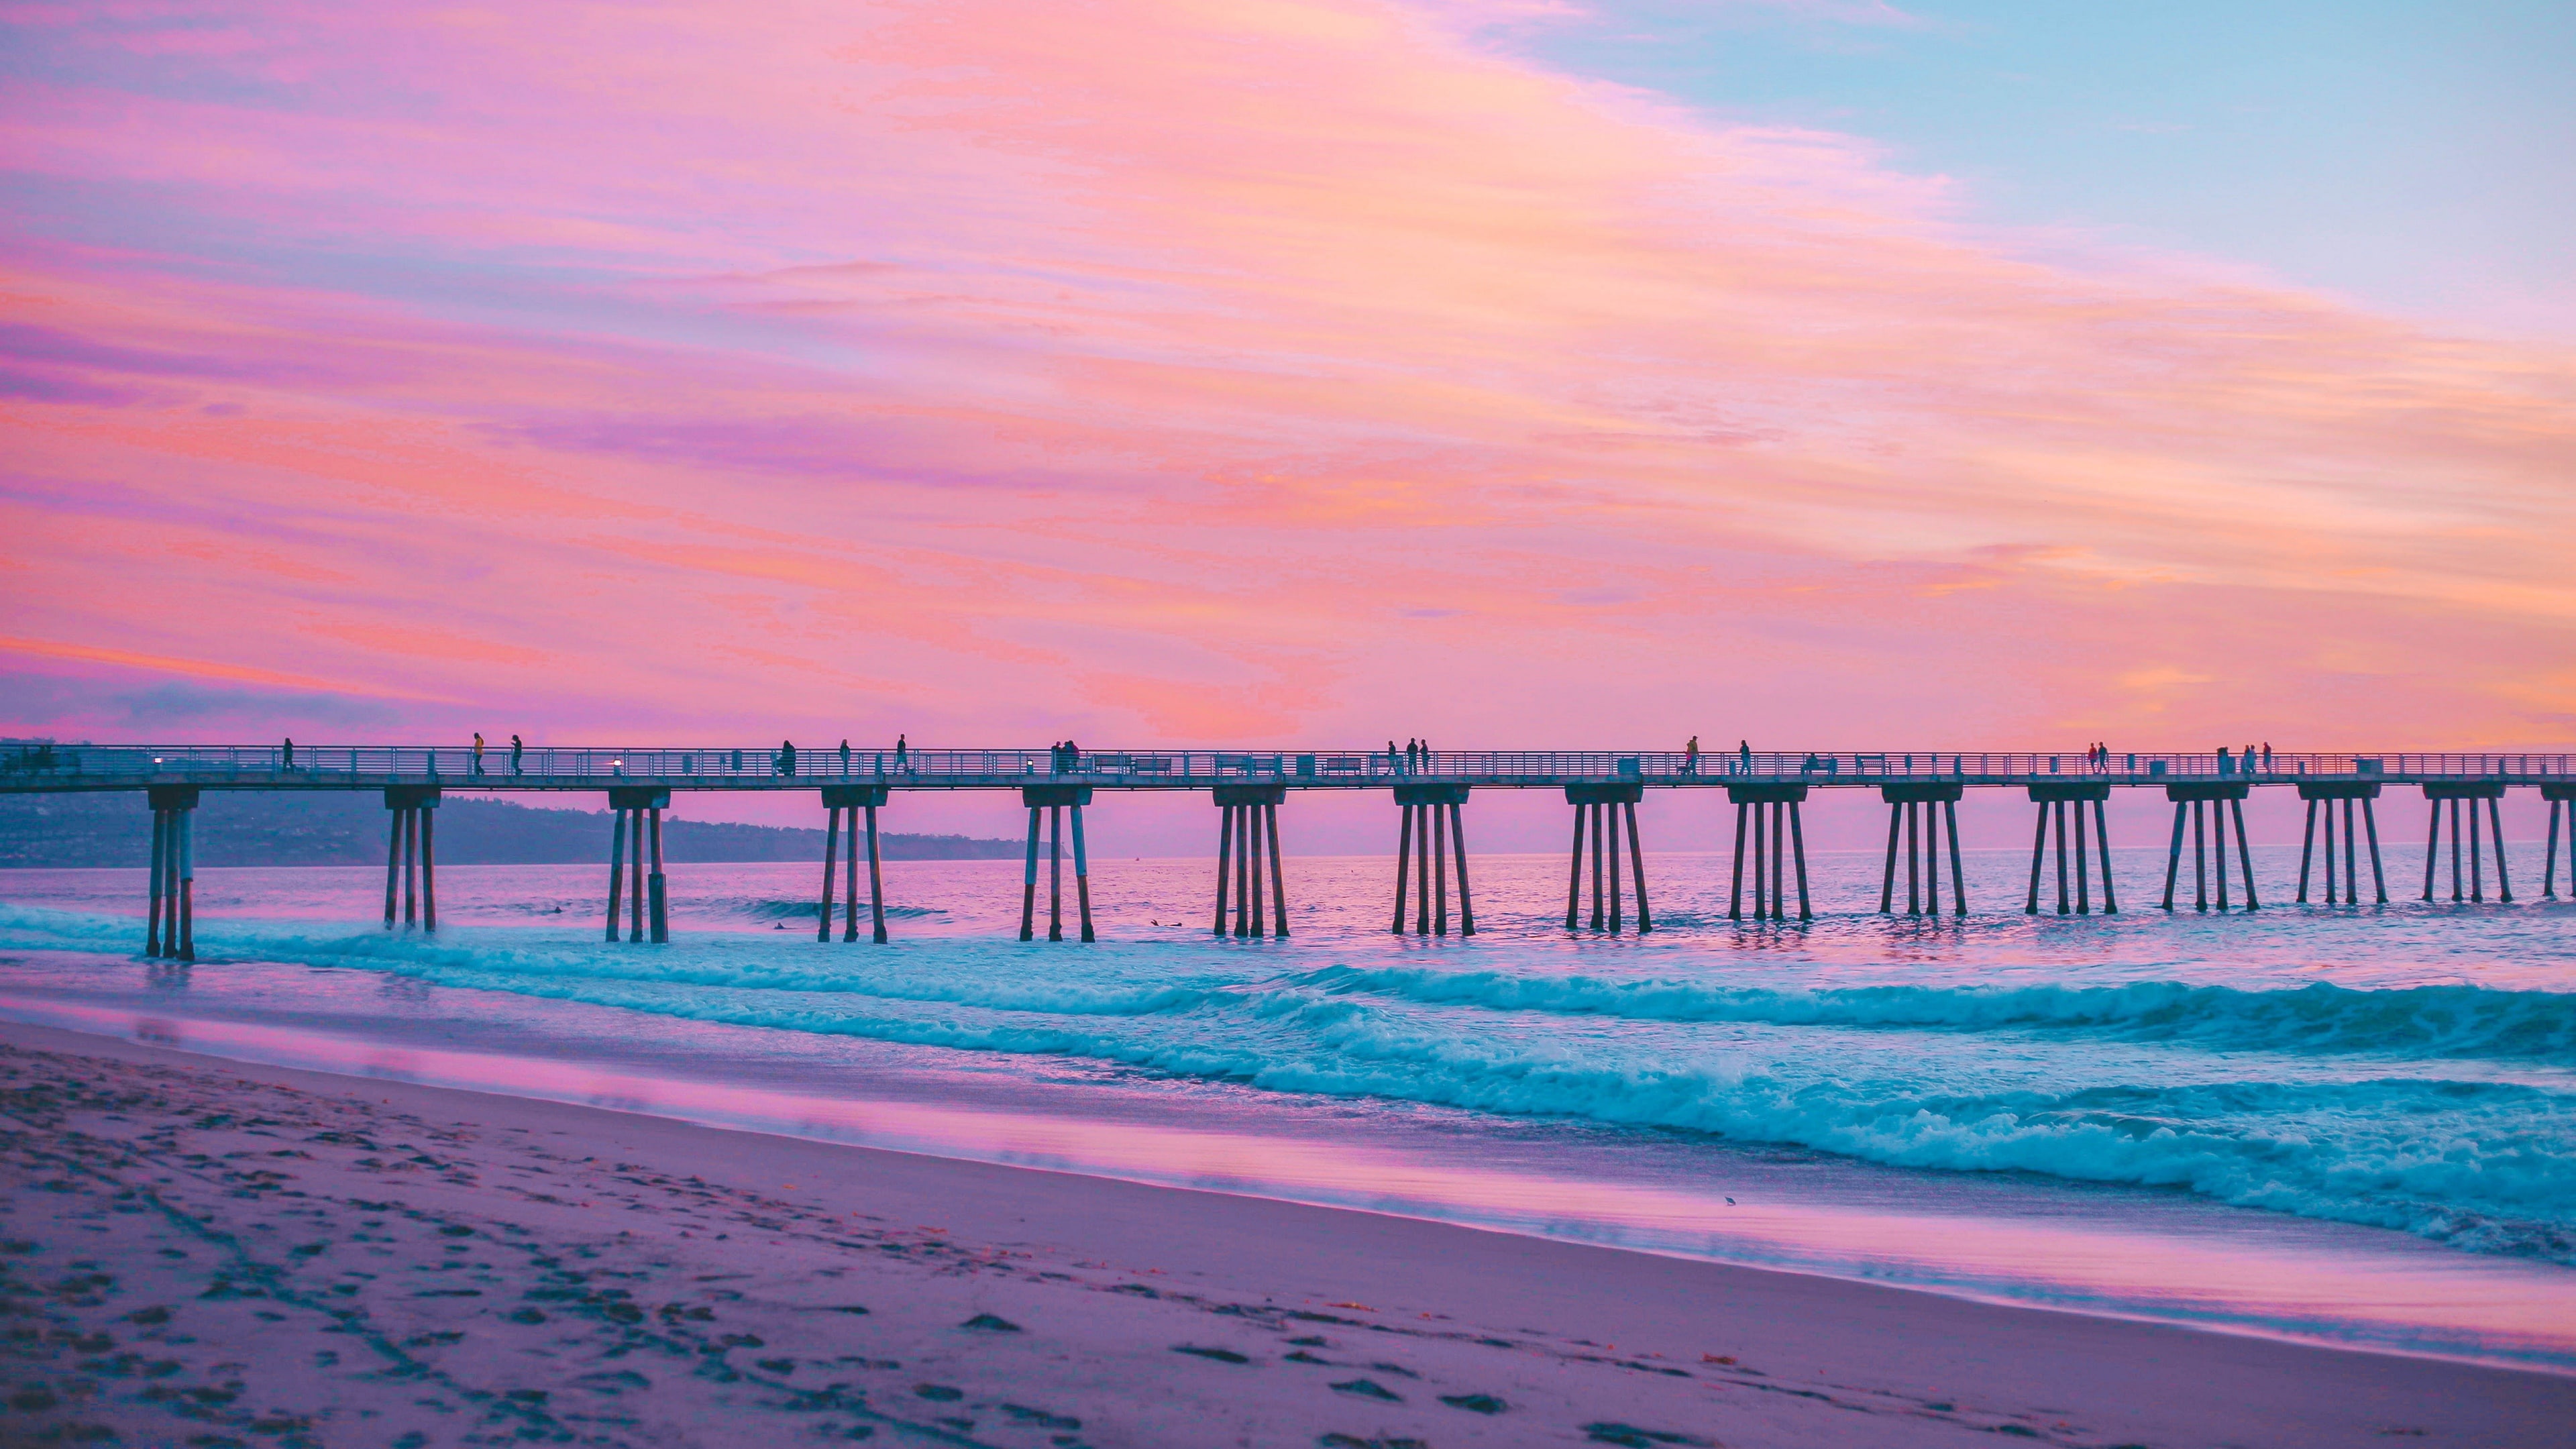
{"points": [[209, 1252]]}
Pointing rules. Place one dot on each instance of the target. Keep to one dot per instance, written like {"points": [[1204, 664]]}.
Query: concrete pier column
{"points": [[1053, 800], [1055, 872], [1735, 896], [2495, 822], [407, 849], [1081, 873], [1770, 810], [635, 880], [616, 866], [1429, 811], [428, 868], [159, 879], [185, 818], [1637, 867], [1467, 899], [876, 883], [1574, 868], [2468, 794], [1598, 808], [831, 868], [1256, 915], [660, 884], [2561, 800], [2207, 803], [1404, 864], [1959, 872], [411, 865], [1225, 865], [2060, 805], [1798, 843], [1600, 911], [1029, 882], [393, 860], [1912, 815], [2358, 801]]}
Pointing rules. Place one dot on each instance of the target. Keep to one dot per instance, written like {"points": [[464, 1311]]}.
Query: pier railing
{"points": [[47, 765]]}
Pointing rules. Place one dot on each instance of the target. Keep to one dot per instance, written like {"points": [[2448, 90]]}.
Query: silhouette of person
{"points": [[516, 750], [290, 752], [478, 752]]}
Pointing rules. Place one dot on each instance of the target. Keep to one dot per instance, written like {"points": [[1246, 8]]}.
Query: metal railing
{"points": [[39, 764]]}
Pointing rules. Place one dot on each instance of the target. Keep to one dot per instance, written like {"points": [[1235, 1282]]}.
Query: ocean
{"points": [[2348, 1124]]}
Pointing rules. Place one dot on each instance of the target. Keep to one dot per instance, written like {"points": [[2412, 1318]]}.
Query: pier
{"points": [[1923, 790]]}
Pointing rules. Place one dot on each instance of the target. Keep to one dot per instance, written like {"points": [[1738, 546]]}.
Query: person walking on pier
{"points": [[1744, 752], [290, 752], [787, 757], [1690, 756], [516, 751], [845, 756], [902, 755], [478, 752]]}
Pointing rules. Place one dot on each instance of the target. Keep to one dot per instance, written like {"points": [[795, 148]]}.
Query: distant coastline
{"points": [[252, 828]]}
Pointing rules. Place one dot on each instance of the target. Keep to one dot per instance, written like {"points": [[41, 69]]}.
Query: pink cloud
{"points": [[1166, 368]]}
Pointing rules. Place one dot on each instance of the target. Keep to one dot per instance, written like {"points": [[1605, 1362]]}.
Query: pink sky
{"points": [[1177, 373]]}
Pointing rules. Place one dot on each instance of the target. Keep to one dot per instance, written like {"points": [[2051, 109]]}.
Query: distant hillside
{"points": [[348, 828]]}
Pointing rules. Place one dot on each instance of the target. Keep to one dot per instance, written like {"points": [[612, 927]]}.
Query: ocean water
{"points": [[2348, 1124]]}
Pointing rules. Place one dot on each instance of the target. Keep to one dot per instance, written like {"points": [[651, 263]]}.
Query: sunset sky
{"points": [[1833, 374]]}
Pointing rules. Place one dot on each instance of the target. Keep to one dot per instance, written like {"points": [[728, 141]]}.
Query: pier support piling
{"points": [[170, 928], [1916, 814], [2208, 806], [1599, 808], [1433, 833], [1773, 811], [1053, 801], [2470, 794], [2360, 802], [849, 810], [1247, 854], [2561, 800], [636, 883], [411, 855], [2062, 806]]}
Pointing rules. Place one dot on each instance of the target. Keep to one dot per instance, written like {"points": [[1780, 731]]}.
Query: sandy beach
{"points": [[203, 1252]]}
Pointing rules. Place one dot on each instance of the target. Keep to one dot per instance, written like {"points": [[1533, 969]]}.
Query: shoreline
{"points": [[1116, 1286]]}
